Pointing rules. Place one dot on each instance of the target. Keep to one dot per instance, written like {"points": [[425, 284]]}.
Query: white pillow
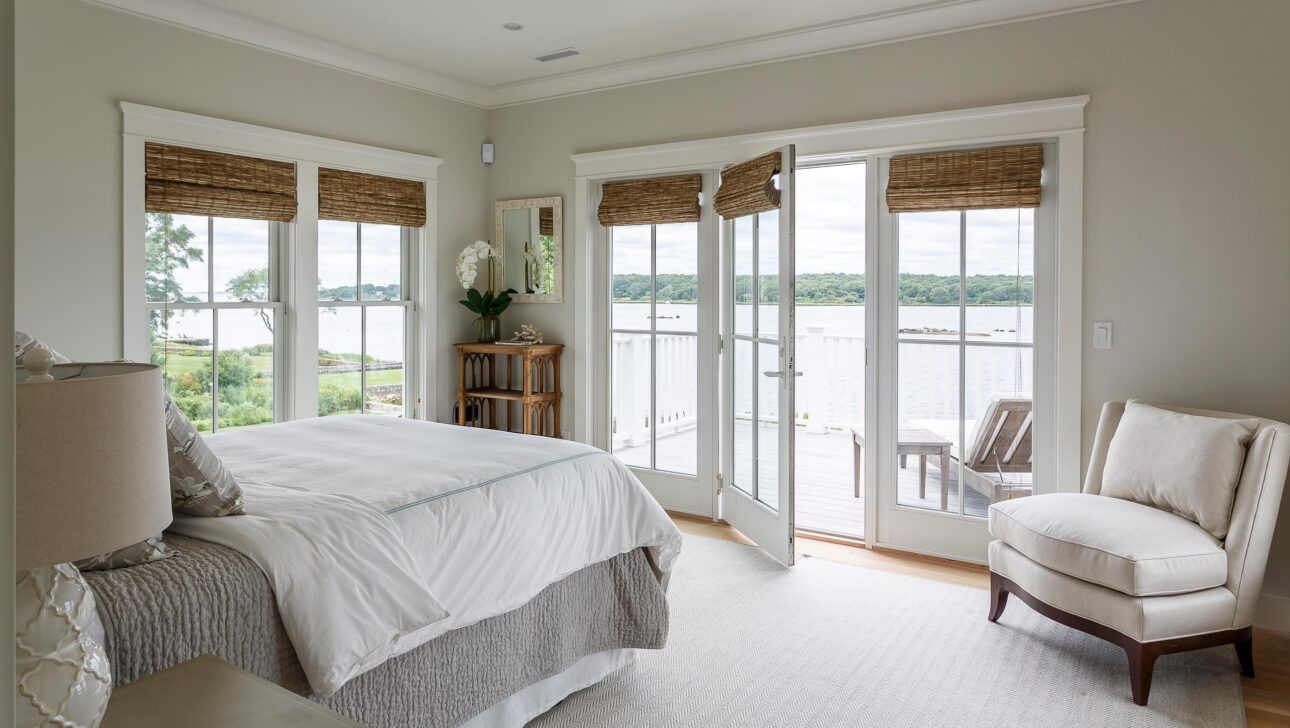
{"points": [[23, 342], [1185, 464]]}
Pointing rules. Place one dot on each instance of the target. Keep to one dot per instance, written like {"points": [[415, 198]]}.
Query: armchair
{"points": [[1144, 579]]}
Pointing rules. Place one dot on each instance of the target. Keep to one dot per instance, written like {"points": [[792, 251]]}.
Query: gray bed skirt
{"points": [[212, 599]]}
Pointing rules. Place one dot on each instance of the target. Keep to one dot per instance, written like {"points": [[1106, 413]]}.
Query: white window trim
{"points": [[300, 292], [1060, 121]]}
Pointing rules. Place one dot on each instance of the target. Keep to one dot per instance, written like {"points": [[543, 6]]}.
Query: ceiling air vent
{"points": [[557, 55]]}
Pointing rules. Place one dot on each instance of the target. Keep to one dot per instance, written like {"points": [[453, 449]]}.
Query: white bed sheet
{"points": [[488, 518]]}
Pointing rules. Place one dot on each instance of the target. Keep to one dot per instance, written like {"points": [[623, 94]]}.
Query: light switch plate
{"points": [[1101, 334]]}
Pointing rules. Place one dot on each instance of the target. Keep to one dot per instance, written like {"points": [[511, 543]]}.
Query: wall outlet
{"points": [[1101, 334]]}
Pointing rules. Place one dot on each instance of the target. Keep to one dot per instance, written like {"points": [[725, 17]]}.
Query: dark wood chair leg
{"points": [[1142, 661], [998, 597], [1245, 653]]}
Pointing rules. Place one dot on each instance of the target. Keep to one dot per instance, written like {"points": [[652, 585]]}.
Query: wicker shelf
{"points": [[489, 389]]}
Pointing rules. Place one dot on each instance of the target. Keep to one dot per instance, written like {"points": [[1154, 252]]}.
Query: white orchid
{"points": [[468, 261]]}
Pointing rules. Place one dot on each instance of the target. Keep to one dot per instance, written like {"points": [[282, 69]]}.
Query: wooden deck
{"points": [[826, 499]]}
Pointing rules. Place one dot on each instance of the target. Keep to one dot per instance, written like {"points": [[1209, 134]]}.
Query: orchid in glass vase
{"points": [[488, 306]]}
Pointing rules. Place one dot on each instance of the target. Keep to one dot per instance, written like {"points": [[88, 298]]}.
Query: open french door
{"points": [[759, 369]]}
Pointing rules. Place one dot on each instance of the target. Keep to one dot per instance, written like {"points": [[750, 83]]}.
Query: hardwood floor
{"points": [[1267, 696]]}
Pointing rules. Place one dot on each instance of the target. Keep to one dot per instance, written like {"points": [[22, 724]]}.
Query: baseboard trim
{"points": [[1273, 613]]}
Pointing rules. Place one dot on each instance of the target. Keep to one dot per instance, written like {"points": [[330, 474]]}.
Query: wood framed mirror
{"points": [[530, 236]]}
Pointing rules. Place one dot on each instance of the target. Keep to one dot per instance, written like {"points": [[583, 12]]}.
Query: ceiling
{"points": [[460, 49]]}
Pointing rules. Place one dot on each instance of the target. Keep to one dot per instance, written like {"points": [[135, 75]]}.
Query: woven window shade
{"points": [[748, 188], [546, 221], [188, 181], [654, 201], [371, 198], [970, 179]]}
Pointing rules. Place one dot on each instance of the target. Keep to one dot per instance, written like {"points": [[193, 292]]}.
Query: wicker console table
{"points": [[487, 375]]}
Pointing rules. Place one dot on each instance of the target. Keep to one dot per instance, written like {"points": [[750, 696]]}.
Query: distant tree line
{"points": [[389, 292], [842, 289]]}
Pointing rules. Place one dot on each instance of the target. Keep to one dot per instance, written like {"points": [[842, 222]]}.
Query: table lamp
{"points": [[92, 477]]}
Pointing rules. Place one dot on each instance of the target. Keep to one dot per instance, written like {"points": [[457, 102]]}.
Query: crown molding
{"points": [[256, 33], [935, 17]]}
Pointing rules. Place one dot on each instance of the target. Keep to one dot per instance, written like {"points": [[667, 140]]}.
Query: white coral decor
{"points": [[468, 261]]}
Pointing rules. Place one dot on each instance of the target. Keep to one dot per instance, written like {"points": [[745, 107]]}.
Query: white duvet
{"points": [[379, 534]]}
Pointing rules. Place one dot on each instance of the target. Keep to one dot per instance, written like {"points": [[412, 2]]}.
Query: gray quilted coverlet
{"points": [[212, 599]]}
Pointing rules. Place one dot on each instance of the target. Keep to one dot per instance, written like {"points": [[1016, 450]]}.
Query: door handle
{"points": [[779, 374]]}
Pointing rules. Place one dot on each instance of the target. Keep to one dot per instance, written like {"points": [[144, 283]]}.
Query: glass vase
{"points": [[488, 329]]}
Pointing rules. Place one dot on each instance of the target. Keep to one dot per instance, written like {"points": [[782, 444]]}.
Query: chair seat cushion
{"points": [[1131, 548]]}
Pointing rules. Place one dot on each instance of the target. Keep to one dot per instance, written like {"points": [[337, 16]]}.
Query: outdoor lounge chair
{"points": [[1000, 444]]}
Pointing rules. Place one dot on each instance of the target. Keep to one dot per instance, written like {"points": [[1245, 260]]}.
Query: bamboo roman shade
{"points": [[188, 181], [371, 198], [968, 179], [655, 201], [748, 188], [546, 221]]}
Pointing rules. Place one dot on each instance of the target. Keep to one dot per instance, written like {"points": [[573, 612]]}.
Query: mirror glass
{"points": [[528, 232]]}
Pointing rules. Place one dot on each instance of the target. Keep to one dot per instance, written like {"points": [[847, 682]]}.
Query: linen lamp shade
{"points": [[92, 470]]}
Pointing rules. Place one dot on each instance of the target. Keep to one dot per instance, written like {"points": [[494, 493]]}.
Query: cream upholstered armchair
{"points": [[1153, 579]]}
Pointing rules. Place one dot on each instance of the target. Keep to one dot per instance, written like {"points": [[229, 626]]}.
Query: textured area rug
{"points": [[829, 644]]}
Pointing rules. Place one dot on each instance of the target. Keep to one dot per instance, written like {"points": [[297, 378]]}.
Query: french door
{"points": [[760, 372]]}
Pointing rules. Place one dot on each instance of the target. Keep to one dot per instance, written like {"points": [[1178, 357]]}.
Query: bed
{"points": [[406, 573]]}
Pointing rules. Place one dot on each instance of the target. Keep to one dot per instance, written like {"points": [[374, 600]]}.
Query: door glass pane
{"points": [[631, 373], [768, 425], [928, 426], [999, 382], [175, 258], [768, 274], [745, 382], [340, 347], [630, 268], [676, 371], [181, 344], [1000, 275], [677, 277], [385, 328], [743, 265], [337, 260], [382, 262], [245, 366], [929, 275], [241, 260]]}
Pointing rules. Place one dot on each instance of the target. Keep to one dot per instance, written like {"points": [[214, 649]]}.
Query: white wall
{"points": [[75, 61], [1187, 234], [6, 381]]}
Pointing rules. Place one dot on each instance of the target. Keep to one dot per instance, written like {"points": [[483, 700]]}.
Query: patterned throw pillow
{"points": [[200, 485], [148, 550]]}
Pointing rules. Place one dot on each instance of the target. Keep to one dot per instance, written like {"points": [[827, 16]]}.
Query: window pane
{"points": [[340, 349], [241, 259], [382, 262], [676, 366], [245, 366], [630, 428], [384, 359], [181, 345], [745, 379], [768, 275], [677, 269], [337, 260], [1000, 275], [175, 258], [631, 272], [767, 425], [928, 425], [929, 275], [999, 383], [743, 263]]}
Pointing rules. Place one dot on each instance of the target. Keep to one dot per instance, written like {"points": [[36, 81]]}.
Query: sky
{"points": [[830, 235]]}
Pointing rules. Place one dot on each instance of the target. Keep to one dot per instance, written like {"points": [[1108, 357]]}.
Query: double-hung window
{"points": [[364, 318]]}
